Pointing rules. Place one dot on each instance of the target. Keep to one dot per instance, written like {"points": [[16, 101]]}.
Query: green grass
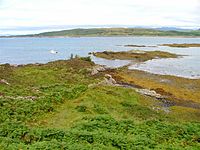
{"points": [[67, 114]]}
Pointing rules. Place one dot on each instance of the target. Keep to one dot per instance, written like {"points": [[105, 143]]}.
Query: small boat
{"points": [[53, 52]]}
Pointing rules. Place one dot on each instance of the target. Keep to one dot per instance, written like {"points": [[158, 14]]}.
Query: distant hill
{"points": [[95, 32], [171, 29]]}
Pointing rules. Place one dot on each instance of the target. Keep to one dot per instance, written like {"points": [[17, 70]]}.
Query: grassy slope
{"points": [[118, 32], [67, 114]]}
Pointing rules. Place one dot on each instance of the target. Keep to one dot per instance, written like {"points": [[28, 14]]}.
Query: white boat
{"points": [[53, 52]]}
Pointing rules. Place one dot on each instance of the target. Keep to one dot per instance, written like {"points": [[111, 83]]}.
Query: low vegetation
{"points": [[52, 106], [137, 55]]}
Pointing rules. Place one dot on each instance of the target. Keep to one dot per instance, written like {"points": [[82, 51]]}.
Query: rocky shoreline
{"points": [[167, 100], [171, 90]]}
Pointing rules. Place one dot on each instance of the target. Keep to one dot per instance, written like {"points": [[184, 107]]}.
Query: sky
{"points": [[17, 16]]}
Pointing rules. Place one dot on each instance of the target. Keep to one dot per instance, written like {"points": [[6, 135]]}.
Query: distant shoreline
{"points": [[97, 36], [113, 32]]}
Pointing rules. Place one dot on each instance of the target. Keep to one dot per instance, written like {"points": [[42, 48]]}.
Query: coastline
{"points": [[98, 36], [169, 87], [75, 101]]}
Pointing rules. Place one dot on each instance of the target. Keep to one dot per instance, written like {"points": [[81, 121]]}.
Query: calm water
{"points": [[36, 50]]}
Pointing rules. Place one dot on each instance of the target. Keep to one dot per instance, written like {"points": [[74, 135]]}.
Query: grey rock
{"points": [[109, 80], [97, 69], [149, 93]]}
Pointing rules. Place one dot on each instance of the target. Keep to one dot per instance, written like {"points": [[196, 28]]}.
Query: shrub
{"points": [[86, 59]]}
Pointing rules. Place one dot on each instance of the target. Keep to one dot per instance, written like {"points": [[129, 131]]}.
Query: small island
{"points": [[185, 45], [133, 45], [136, 55]]}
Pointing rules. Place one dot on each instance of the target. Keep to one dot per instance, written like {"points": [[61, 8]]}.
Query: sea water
{"points": [[38, 50]]}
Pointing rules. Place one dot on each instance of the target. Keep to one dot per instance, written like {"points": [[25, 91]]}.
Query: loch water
{"points": [[39, 50]]}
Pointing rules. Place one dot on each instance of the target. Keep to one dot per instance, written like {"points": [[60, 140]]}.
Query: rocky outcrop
{"points": [[95, 70], [109, 80], [151, 93]]}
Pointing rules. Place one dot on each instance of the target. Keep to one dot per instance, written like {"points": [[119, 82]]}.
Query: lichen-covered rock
{"points": [[97, 69], [109, 80], [149, 93]]}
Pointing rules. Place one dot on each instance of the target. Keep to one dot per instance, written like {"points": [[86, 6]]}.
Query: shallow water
{"points": [[37, 50]]}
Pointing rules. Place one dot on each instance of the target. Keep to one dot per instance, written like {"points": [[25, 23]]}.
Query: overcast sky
{"points": [[38, 13]]}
